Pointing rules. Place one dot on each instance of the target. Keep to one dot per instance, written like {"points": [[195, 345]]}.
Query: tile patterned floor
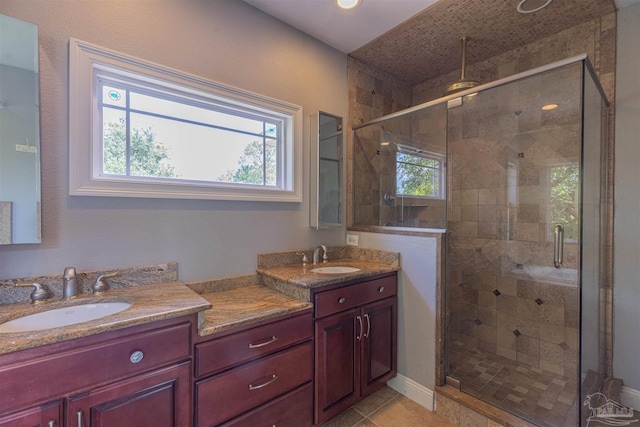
{"points": [[387, 408], [539, 396]]}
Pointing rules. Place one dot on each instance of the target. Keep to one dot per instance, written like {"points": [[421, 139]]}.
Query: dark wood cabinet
{"points": [[158, 399], [293, 409], [337, 371], [139, 376], [355, 351], [378, 345], [47, 415], [258, 376]]}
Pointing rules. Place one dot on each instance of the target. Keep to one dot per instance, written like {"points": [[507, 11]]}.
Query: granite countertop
{"points": [[221, 304], [301, 274], [284, 271], [245, 305], [150, 303]]}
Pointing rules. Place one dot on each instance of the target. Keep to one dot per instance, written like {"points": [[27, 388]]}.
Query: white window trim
{"points": [[85, 59]]}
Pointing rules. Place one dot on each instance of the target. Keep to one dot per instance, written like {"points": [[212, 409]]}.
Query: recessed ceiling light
{"points": [[529, 6], [550, 107], [348, 4]]}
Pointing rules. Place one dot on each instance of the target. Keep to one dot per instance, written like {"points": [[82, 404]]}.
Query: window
{"points": [[564, 189], [141, 130], [419, 174]]}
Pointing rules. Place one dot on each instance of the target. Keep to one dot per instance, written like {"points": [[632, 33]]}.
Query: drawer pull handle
{"points": [[366, 316], [262, 344], [79, 418], [381, 289], [342, 300], [256, 387], [136, 356], [359, 337]]}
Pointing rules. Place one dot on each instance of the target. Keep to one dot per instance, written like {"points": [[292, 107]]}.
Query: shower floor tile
{"points": [[532, 393]]}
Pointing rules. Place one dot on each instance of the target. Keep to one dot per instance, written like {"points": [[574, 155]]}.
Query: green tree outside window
{"points": [[418, 176], [563, 199]]}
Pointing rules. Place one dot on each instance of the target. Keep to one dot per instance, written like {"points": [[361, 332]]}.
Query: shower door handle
{"points": [[558, 245]]}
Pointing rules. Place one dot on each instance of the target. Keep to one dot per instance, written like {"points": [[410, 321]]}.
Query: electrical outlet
{"points": [[352, 239], [26, 148]]}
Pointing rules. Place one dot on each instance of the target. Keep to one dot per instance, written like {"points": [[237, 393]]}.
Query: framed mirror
{"points": [[326, 171], [19, 132]]}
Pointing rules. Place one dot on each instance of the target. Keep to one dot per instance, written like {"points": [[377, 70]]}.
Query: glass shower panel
{"points": [[399, 171], [593, 238], [514, 155]]}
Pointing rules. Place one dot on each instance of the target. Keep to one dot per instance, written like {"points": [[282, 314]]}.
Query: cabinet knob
{"points": [[381, 289], [136, 356], [52, 423], [342, 300]]}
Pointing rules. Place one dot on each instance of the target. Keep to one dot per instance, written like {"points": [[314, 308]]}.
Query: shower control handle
{"points": [[558, 245]]}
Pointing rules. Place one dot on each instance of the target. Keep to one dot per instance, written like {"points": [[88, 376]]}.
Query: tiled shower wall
{"points": [[596, 38], [505, 297], [372, 94]]}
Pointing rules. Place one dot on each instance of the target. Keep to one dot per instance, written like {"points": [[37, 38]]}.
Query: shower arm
{"points": [[464, 58]]}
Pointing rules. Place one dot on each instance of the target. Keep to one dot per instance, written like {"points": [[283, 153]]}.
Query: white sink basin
{"points": [[336, 269], [63, 316]]}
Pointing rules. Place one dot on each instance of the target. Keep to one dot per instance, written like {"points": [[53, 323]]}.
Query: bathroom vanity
{"points": [[141, 374], [230, 352], [355, 322]]}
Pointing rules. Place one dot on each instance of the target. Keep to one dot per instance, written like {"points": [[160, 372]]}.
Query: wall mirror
{"points": [[19, 132], [326, 171]]}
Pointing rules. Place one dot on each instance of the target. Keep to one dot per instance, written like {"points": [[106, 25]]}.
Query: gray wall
{"points": [[223, 40], [626, 289]]}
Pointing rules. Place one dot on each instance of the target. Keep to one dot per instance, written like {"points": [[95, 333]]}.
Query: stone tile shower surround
{"points": [[372, 94], [597, 39], [502, 299], [380, 204]]}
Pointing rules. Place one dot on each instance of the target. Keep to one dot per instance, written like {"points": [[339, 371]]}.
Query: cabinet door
{"points": [[337, 374], [49, 415], [160, 398], [379, 344]]}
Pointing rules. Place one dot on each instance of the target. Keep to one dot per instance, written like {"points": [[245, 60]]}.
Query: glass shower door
{"points": [[514, 162]]}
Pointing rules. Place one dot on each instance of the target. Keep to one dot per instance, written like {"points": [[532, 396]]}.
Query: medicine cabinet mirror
{"points": [[20, 135], [327, 207]]}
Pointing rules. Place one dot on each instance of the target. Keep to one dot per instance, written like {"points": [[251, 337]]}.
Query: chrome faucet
{"points": [[39, 294], [99, 286], [316, 254], [69, 283]]}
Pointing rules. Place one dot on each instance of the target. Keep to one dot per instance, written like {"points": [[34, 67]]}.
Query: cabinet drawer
{"points": [[216, 355], [93, 365], [337, 300], [294, 409], [234, 392]]}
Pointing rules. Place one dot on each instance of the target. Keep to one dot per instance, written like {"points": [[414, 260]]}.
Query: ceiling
{"points": [[416, 40]]}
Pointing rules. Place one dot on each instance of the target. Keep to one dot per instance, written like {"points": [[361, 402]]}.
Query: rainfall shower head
{"points": [[463, 83]]}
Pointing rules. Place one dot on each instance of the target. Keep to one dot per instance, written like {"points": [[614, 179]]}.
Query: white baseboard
{"points": [[630, 398], [420, 394]]}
